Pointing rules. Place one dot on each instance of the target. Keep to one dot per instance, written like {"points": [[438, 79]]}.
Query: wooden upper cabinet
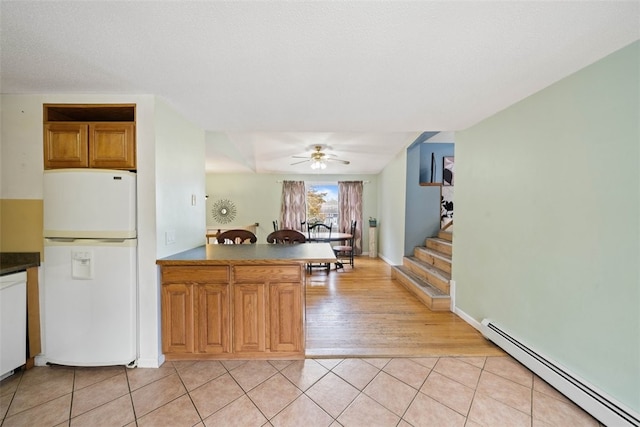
{"points": [[89, 136], [112, 146], [65, 145]]}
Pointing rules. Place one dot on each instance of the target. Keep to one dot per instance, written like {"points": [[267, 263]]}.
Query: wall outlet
{"points": [[170, 237]]}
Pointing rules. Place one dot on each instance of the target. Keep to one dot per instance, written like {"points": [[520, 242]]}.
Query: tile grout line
{"points": [[415, 396], [302, 392], [186, 392], [133, 407], [73, 394], [13, 395]]}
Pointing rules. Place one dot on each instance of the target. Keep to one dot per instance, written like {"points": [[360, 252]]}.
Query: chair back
{"points": [[353, 231], [275, 225], [286, 237], [313, 231], [236, 237]]}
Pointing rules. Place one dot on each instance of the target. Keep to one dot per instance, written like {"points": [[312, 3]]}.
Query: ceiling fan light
{"points": [[318, 164]]}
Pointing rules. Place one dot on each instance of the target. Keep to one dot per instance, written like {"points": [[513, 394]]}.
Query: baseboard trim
{"points": [[151, 363], [385, 259], [470, 320]]}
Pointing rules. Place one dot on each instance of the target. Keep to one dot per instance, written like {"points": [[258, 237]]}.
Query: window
{"points": [[322, 203]]}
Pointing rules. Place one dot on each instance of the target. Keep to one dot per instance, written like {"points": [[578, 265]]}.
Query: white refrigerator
{"points": [[90, 267]]}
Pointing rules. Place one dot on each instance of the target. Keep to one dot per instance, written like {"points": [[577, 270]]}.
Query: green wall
{"points": [[548, 223], [257, 198], [391, 209], [180, 201]]}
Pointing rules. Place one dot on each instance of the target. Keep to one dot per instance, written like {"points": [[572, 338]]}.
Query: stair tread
{"points": [[431, 290], [439, 240], [432, 269], [435, 253]]}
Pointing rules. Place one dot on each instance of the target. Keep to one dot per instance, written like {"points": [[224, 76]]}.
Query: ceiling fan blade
{"points": [[344, 162], [300, 157], [302, 161]]}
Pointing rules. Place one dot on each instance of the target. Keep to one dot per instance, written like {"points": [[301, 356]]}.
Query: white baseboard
{"points": [[151, 363], [385, 259], [470, 320], [452, 295], [40, 360]]}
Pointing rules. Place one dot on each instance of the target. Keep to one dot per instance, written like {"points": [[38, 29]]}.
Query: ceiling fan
{"points": [[319, 159]]}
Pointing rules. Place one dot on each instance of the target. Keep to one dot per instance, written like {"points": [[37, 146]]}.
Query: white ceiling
{"points": [[269, 79]]}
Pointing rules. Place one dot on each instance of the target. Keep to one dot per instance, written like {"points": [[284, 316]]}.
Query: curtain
{"points": [[350, 208], [293, 209]]}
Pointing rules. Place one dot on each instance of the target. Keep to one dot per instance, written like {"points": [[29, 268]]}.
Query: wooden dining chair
{"points": [[286, 237], [313, 231], [236, 237], [346, 251], [319, 227]]}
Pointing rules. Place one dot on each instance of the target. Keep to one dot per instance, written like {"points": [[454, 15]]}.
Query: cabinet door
{"points": [[65, 145], [285, 316], [249, 318], [177, 318], [112, 145], [213, 319]]}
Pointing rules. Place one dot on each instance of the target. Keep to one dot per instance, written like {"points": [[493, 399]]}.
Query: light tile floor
{"points": [[445, 391]]}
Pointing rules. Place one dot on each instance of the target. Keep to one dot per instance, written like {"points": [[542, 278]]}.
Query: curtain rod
{"points": [[364, 182]]}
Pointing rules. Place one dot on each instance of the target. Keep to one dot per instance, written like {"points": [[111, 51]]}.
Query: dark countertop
{"points": [[258, 253], [13, 262]]}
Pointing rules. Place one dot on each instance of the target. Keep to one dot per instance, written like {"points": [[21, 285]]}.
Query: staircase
{"points": [[427, 272]]}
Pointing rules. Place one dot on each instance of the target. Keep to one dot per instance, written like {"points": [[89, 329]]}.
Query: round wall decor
{"points": [[223, 211]]}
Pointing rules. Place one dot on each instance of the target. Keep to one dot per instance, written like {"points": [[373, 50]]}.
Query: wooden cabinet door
{"points": [[177, 318], [112, 146], [65, 145], [213, 319], [285, 316], [249, 318]]}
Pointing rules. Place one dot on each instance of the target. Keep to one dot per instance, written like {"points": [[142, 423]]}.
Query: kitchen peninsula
{"points": [[237, 301]]}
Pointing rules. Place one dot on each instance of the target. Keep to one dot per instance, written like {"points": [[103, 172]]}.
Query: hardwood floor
{"points": [[362, 312]]}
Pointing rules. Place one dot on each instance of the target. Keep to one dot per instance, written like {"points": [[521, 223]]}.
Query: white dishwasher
{"points": [[13, 322]]}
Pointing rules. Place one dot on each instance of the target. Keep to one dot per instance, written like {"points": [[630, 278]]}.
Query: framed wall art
{"points": [[447, 170], [446, 206]]}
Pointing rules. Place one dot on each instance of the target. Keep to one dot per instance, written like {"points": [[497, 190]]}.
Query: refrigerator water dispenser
{"points": [[82, 265]]}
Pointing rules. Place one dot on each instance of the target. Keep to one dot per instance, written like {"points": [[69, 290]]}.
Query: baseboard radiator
{"points": [[602, 407]]}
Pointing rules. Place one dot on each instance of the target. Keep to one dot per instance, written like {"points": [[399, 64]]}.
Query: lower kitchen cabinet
{"points": [[214, 319], [177, 318], [258, 312], [249, 315], [286, 317]]}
